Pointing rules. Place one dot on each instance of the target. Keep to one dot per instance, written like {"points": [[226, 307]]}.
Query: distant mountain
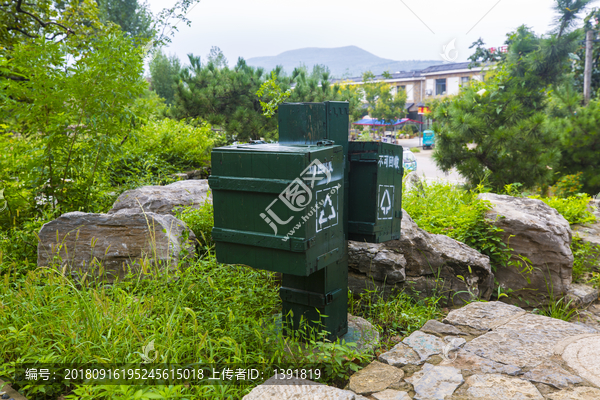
{"points": [[342, 61]]}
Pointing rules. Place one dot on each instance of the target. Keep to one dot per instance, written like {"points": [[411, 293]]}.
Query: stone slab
{"points": [[471, 364], [435, 382], [390, 394], [438, 328], [400, 355], [551, 374], [424, 344], [578, 393], [297, 389], [483, 316], [581, 295], [375, 377], [583, 356], [525, 341], [494, 386]]}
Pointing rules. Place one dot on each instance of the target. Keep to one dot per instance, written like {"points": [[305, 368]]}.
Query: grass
{"points": [[208, 313]]}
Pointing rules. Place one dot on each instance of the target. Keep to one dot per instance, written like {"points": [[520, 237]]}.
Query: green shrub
{"points": [[586, 257], [415, 150], [568, 185], [200, 220], [574, 208], [444, 208]]}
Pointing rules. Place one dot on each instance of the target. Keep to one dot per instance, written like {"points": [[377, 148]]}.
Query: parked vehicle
{"points": [[408, 160], [428, 139]]}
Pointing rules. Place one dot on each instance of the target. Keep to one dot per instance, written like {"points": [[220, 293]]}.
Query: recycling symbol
{"points": [[386, 202], [327, 207]]}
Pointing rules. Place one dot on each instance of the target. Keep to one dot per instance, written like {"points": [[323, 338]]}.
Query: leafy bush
{"points": [[200, 221], [574, 208], [586, 257], [415, 150], [568, 185], [444, 208]]}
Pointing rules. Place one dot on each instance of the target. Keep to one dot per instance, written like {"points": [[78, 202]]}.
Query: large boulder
{"points": [[80, 243], [162, 199], [537, 233], [424, 263]]}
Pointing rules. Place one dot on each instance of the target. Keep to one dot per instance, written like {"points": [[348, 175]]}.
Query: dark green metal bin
{"points": [[278, 207], [375, 198]]}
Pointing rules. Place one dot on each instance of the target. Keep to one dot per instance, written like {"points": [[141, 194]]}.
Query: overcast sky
{"points": [[393, 29]]}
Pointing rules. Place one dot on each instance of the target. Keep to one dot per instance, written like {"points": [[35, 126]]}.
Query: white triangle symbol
{"points": [[322, 218], [386, 208]]}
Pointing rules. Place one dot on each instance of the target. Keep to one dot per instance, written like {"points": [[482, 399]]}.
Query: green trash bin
{"points": [[375, 197], [278, 207]]}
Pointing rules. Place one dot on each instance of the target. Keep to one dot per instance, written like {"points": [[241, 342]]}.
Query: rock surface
{"points": [[376, 377], [436, 327], [483, 316], [162, 199], [581, 295], [578, 393], [525, 341], [583, 355], [536, 231], [435, 382], [421, 262], [390, 394], [590, 232], [553, 375], [297, 389], [80, 242], [424, 345], [494, 386], [400, 355]]}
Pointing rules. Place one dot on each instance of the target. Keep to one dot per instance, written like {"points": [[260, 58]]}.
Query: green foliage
{"points": [[68, 117], [497, 128], [382, 104], [131, 16], [568, 185], [398, 314], [580, 137], [201, 221], [164, 72], [558, 308], [272, 92], [586, 257], [442, 208], [574, 208], [415, 150], [224, 97]]}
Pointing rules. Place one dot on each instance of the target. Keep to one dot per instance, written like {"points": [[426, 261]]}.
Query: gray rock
{"points": [[437, 328], [423, 263], [483, 315], [400, 355], [536, 231], [435, 382], [455, 341], [413, 182], [390, 394], [162, 199], [297, 389], [80, 242], [472, 364], [375, 377], [578, 393], [362, 333], [525, 341], [425, 345], [376, 262], [494, 386], [551, 374], [583, 356], [581, 295]]}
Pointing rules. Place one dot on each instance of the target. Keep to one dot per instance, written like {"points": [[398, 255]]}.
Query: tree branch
{"points": [[39, 21], [11, 28]]}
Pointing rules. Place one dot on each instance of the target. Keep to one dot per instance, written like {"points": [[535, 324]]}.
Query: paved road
{"points": [[426, 166]]}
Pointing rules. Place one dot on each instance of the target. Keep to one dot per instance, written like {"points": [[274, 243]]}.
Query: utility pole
{"points": [[587, 73]]}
